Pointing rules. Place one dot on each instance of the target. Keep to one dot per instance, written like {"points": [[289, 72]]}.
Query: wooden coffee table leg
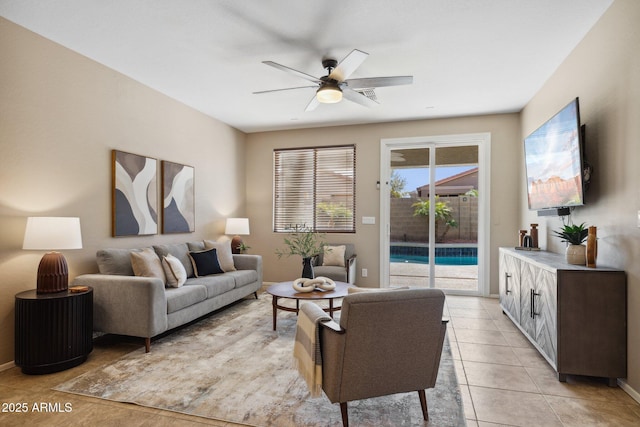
{"points": [[275, 310], [331, 307]]}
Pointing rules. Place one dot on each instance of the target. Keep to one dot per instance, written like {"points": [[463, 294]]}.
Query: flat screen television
{"points": [[553, 160]]}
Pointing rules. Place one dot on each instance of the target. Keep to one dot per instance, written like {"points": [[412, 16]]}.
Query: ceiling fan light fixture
{"points": [[329, 94]]}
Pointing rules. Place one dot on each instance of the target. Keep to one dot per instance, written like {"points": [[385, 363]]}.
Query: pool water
{"points": [[440, 260]]}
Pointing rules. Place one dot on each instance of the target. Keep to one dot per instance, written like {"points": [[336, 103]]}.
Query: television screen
{"points": [[553, 158]]}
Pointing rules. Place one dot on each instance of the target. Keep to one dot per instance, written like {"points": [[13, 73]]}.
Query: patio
{"points": [[458, 277]]}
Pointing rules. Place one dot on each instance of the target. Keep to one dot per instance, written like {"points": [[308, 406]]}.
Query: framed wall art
{"points": [[134, 195], [178, 214]]}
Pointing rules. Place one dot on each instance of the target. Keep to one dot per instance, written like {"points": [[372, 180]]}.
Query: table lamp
{"points": [[237, 226], [52, 233]]}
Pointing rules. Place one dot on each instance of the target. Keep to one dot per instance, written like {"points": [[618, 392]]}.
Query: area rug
{"points": [[232, 366]]}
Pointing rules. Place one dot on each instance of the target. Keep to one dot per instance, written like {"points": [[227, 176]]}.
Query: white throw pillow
{"points": [[334, 255], [147, 264], [225, 257], [174, 270]]}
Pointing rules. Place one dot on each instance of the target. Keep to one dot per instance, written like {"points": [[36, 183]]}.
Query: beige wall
{"points": [[505, 191], [604, 71], [60, 116]]}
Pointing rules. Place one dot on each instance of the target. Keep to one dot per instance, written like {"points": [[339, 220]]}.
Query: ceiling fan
{"points": [[336, 85]]}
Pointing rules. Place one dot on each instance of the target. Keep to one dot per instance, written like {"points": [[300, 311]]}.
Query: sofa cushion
{"points": [[215, 284], [178, 250], [225, 257], [147, 264], [184, 296], [243, 277], [205, 263], [115, 261], [174, 270], [196, 246], [333, 256]]}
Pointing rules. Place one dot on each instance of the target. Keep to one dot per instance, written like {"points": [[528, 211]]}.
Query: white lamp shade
{"points": [[52, 233], [237, 226]]}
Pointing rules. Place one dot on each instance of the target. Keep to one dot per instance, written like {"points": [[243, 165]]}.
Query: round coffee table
{"points": [[285, 290]]}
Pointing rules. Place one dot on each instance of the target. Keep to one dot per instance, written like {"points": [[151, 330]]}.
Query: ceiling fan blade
{"points": [[358, 98], [313, 104], [280, 90], [348, 65], [379, 82], [292, 71]]}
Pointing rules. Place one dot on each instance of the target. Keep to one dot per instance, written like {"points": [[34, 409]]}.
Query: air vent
{"points": [[369, 93]]}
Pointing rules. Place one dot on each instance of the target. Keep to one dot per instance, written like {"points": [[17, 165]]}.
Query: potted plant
{"points": [[306, 243], [574, 235], [243, 248]]}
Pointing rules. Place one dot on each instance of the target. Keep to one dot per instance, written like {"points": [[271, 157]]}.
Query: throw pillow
{"points": [[174, 270], [334, 255], [147, 264], [225, 257], [205, 262]]}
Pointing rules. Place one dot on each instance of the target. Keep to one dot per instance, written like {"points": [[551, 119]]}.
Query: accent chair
{"points": [[386, 343], [333, 265]]}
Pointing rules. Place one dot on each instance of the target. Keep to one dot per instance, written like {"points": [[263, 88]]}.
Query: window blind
{"points": [[315, 188]]}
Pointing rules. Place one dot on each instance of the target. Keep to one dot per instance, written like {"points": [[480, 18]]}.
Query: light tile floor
{"points": [[503, 379], [506, 382]]}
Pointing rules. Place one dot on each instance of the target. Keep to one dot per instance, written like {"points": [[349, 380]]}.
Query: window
{"points": [[315, 188]]}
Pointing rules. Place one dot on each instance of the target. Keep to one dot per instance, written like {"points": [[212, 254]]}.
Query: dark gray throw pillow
{"points": [[205, 263]]}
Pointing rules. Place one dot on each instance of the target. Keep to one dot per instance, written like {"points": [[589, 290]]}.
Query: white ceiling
{"points": [[467, 57]]}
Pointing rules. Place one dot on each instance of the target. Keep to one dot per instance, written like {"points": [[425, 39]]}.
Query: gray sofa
{"points": [[126, 304]]}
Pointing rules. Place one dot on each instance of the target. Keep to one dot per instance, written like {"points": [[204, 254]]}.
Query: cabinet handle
{"points": [[531, 303], [506, 280], [534, 294]]}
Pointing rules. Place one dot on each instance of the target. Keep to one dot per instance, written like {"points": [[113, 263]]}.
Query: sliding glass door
{"points": [[432, 225]]}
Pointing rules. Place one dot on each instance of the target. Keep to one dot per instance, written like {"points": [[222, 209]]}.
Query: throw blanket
{"points": [[306, 349]]}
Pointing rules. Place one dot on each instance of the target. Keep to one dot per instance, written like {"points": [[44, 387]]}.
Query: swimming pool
{"points": [[440, 260], [445, 255]]}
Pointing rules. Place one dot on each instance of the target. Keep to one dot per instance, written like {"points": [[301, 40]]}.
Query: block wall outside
{"points": [[405, 227]]}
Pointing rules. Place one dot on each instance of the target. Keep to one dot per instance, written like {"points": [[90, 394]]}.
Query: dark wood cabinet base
{"points": [[53, 332]]}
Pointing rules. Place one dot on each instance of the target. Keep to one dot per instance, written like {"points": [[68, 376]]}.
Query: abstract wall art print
{"points": [[178, 214], [135, 194]]}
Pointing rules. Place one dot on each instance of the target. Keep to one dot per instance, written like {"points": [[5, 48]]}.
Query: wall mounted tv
{"points": [[553, 159]]}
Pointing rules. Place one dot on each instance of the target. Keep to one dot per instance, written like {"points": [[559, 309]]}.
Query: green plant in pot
{"points": [[574, 235], [306, 243]]}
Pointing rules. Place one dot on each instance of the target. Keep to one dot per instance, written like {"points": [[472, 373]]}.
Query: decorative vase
{"points": [[592, 247], [576, 254], [307, 268], [534, 235]]}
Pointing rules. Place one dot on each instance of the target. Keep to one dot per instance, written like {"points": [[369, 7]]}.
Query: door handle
{"points": [[506, 281]]}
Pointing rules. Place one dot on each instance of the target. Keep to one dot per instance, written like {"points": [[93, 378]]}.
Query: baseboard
{"points": [[629, 390], [7, 366]]}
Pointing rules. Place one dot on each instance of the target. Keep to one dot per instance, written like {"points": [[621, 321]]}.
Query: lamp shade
{"points": [[237, 226], [52, 233]]}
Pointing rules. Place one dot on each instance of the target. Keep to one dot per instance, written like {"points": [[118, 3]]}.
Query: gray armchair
{"points": [[335, 272], [386, 343]]}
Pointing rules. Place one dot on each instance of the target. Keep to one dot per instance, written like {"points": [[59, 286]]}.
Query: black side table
{"points": [[53, 332]]}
